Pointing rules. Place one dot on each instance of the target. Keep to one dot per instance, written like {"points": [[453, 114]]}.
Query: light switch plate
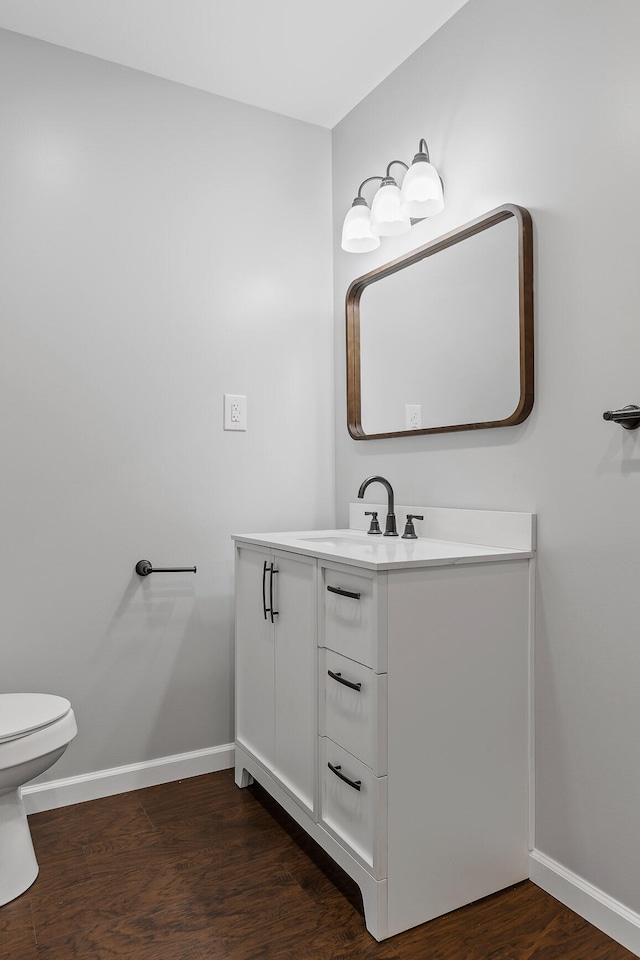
{"points": [[235, 412]]}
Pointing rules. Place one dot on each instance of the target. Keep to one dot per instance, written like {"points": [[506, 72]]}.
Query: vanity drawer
{"points": [[353, 806], [353, 708], [354, 615]]}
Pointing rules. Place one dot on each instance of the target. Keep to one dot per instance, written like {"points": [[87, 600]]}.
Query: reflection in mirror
{"points": [[439, 343]]}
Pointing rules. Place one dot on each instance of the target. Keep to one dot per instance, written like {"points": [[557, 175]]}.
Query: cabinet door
{"points": [[254, 655], [295, 686]]}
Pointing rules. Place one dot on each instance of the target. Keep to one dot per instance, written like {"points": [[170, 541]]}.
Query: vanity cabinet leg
{"points": [[243, 778], [374, 901]]}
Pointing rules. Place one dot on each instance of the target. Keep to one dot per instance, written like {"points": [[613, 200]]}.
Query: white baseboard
{"points": [[609, 915], [106, 783]]}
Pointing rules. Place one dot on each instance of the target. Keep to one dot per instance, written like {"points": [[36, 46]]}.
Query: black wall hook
{"points": [[144, 568], [628, 417]]}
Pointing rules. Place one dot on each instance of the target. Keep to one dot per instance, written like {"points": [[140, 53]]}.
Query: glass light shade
{"points": [[356, 231], [387, 220], [421, 194]]}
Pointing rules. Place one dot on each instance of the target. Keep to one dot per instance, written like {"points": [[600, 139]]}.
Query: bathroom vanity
{"points": [[382, 698]]}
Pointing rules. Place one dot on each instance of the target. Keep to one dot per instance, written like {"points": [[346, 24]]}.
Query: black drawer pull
{"points": [[343, 593], [347, 683], [356, 784]]}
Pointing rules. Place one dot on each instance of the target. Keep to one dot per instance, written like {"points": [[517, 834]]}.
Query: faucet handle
{"points": [[409, 529], [374, 528]]}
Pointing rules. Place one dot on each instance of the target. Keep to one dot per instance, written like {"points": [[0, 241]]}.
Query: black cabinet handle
{"points": [[343, 593], [356, 784], [274, 613], [346, 683], [265, 609], [268, 609]]}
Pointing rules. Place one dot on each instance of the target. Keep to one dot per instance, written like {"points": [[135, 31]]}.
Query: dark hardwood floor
{"points": [[199, 870]]}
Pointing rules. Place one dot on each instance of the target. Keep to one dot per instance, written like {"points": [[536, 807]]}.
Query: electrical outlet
{"points": [[413, 416], [235, 412]]}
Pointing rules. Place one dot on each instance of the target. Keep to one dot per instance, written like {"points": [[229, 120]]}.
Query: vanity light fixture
{"points": [[394, 209]]}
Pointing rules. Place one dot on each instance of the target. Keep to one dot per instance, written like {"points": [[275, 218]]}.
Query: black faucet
{"points": [[390, 526]]}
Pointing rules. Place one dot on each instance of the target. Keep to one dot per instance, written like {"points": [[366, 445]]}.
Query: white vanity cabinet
{"points": [[420, 728], [275, 666]]}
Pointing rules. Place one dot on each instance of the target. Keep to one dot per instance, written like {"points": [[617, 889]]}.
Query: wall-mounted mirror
{"points": [[442, 338]]}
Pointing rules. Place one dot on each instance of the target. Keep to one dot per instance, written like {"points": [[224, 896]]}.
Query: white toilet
{"points": [[35, 730]]}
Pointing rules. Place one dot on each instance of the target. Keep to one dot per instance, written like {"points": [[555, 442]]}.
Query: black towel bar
{"points": [[144, 568]]}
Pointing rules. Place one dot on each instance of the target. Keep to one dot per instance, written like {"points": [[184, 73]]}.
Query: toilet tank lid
{"points": [[22, 713]]}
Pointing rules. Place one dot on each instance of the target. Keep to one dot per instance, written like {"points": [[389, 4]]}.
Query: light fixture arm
{"points": [[425, 151], [405, 165], [368, 180]]}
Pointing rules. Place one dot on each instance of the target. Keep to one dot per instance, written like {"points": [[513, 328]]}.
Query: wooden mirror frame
{"points": [[525, 286]]}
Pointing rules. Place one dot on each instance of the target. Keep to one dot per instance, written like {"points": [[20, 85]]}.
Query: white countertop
{"points": [[359, 549]]}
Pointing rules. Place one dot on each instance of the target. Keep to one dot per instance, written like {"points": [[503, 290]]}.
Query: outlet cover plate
{"points": [[413, 416], [235, 412]]}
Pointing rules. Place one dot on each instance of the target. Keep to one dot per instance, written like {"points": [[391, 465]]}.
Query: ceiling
{"points": [[312, 61]]}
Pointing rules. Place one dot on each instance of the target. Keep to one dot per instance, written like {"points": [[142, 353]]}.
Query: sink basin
{"points": [[359, 545], [341, 540]]}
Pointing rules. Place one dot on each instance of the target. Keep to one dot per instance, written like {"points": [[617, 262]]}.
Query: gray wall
{"points": [[537, 104], [141, 279], [152, 258]]}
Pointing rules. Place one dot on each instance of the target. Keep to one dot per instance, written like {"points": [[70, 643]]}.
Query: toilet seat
{"points": [[24, 713]]}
